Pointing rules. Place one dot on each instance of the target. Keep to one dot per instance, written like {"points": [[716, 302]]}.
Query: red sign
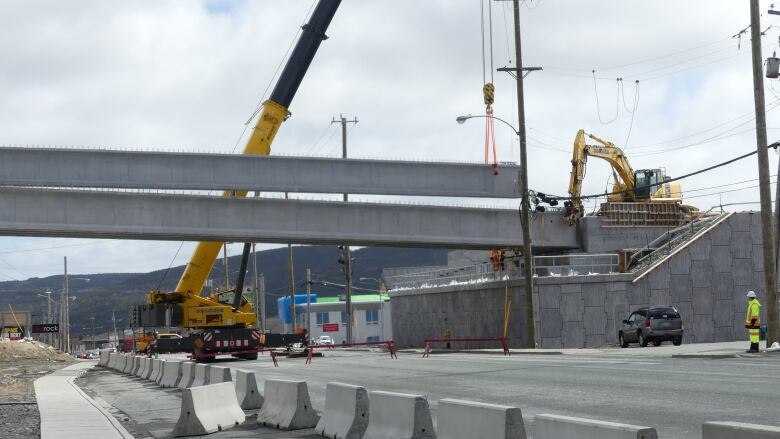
{"points": [[330, 327]]}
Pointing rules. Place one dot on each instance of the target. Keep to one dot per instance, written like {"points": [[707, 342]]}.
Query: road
{"points": [[637, 386]]}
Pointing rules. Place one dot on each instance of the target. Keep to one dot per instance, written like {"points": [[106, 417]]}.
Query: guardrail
{"points": [[509, 268]]}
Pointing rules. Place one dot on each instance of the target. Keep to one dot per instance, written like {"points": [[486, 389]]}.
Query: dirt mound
{"points": [[25, 350]]}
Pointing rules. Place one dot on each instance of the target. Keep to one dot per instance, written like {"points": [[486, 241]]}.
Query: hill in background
{"points": [[107, 292]]}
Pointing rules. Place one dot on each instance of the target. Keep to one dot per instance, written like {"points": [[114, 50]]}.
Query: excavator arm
{"points": [[625, 180]]}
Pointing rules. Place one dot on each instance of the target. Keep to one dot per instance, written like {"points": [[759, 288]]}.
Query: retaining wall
{"points": [[706, 281]]}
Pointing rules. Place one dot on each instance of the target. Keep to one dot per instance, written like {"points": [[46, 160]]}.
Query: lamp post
{"points": [[528, 272]]}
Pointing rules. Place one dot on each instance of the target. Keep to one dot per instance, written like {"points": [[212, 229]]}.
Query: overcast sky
{"points": [[186, 75]]}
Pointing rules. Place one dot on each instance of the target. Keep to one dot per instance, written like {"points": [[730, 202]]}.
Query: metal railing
{"points": [[508, 269]]}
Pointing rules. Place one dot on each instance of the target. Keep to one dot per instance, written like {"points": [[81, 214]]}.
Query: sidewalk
{"points": [[67, 412], [734, 349]]}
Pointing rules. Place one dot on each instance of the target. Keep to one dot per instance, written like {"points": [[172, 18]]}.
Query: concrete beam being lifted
{"points": [[79, 168], [94, 214]]}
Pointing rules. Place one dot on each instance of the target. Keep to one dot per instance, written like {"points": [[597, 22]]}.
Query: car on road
{"points": [[324, 340], [654, 324]]}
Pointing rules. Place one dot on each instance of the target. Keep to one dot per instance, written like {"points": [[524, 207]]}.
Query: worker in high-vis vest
{"points": [[753, 321]]}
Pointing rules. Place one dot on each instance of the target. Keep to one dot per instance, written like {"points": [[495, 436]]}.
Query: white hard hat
{"points": [[751, 294]]}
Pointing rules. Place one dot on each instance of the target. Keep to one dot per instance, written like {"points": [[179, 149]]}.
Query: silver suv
{"points": [[654, 324]]}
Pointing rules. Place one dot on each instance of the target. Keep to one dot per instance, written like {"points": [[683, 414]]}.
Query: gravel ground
{"points": [[20, 421], [20, 365]]}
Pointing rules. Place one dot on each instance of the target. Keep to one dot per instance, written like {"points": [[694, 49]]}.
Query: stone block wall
{"points": [[706, 281], [470, 312]]}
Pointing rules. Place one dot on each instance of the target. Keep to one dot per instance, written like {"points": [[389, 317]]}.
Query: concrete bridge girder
{"points": [[94, 214], [189, 171]]}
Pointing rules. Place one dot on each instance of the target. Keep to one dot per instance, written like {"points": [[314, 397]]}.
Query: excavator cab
{"points": [[647, 182]]}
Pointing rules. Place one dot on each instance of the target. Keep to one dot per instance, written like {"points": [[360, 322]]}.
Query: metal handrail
{"points": [[509, 269]]}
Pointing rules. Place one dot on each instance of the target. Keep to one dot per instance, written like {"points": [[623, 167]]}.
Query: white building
{"points": [[371, 318]]}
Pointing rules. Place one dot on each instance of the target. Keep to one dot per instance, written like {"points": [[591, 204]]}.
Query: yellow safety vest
{"points": [[753, 312]]}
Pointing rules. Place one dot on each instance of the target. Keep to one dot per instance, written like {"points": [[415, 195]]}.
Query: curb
{"points": [[710, 356]]}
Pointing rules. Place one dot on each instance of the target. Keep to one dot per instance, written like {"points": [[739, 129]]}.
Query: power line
{"points": [[324, 132], [598, 105], [716, 138], [724, 185], [727, 191], [642, 61], [9, 252]]}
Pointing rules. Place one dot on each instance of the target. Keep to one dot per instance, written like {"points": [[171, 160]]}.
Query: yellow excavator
{"points": [[643, 185], [223, 322]]}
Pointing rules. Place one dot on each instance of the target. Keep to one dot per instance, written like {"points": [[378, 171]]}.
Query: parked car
{"points": [[324, 340], [655, 324]]}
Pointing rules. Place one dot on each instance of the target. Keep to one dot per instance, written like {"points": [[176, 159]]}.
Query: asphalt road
{"points": [[645, 387]]}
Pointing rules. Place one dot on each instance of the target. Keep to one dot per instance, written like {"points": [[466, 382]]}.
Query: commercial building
{"points": [[328, 317]]}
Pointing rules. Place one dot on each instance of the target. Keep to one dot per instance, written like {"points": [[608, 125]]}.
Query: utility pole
{"points": [[257, 304], [291, 274], [524, 203], [50, 337], [308, 303], [767, 228], [347, 253], [64, 343], [262, 302], [92, 318], [227, 270], [113, 323]]}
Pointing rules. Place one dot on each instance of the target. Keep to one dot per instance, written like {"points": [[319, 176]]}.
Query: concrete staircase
{"points": [[671, 242]]}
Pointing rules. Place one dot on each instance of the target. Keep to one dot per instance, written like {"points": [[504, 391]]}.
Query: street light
{"points": [[462, 119], [525, 223]]}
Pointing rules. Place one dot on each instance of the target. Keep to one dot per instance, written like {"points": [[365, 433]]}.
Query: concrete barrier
{"points": [[729, 430], [393, 415], [104, 357], [158, 376], [171, 374], [149, 368], [459, 419], [112, 359], [287, 406], [157, 366], [346, 412], [201, 375], [119, 364], [129, 363], [219, 375], [142, 368], [208, 409], [187, 375], [136, 364], [565, 427], [248, 390]]}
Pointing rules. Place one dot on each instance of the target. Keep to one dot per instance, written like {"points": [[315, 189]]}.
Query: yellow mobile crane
{"points": [[223, 321], [643, 185]]}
